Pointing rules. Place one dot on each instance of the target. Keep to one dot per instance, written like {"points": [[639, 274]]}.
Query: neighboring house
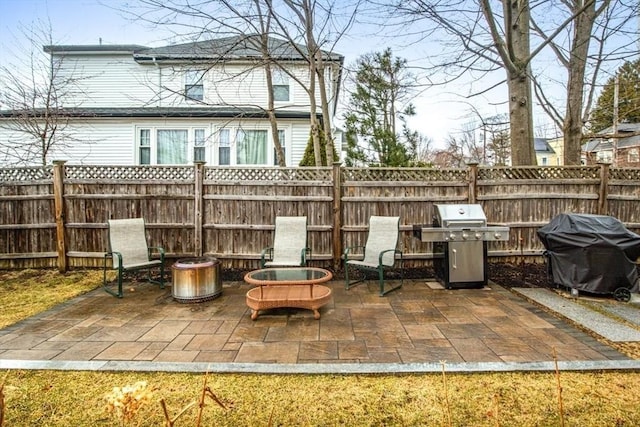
{"points": [[622, 151], [181, 103], [557, 145], [545, 154]]}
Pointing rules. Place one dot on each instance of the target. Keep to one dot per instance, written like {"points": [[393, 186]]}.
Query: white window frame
{"points": [[633, 156], [194, 79], [233, 129], [153, 142], [604, 156], [281, 79]]}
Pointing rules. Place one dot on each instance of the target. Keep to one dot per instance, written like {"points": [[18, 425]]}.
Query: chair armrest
{"points": [[266, 255], [305, 256], [349, 249], [118, 255], [159, 250], [395, 252]]}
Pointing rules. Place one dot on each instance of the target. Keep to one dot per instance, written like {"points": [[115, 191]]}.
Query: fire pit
{"points": [[459, 235], [196, 279]]}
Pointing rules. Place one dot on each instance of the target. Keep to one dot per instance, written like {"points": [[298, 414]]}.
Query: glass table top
{"points": [[301, 274]]}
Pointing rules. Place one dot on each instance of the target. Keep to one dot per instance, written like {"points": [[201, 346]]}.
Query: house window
{"points": [[251, 147], [224, 147], [281, 89], [172, 146], [604, 156], [634, 155], [144, 145], [193, 88], [544, 161], [284, 147], [199, 149]]}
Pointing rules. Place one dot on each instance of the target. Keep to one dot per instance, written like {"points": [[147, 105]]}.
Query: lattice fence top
{"points": [[26, 174], [624, 174], [130, 173], [404, 174], [536, 172], [267, 174]]}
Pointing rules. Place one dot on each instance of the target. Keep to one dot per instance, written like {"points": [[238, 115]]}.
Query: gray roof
{"points": [[94, 48], [542, 146], [212, 112], [605, 144], [235, 47]]}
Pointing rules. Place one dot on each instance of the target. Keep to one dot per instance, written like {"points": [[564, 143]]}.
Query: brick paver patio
{"points": [[416, 324]]}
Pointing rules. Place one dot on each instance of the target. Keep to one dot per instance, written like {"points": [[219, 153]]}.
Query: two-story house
{"points": [[624, 150], [207, 100]]}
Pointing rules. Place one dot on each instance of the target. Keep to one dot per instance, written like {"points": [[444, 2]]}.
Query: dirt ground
{"points": [[507, 275]]}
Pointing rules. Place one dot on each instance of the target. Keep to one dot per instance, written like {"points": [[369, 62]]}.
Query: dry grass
{"points": [[57, 398], [24, 293]]}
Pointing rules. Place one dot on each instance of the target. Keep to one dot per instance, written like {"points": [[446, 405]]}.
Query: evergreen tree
{"points": [[378, 101], [308, 159], [628, 98]]}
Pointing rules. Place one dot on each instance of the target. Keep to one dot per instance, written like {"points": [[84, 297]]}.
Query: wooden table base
{"points": [[310, 297]]}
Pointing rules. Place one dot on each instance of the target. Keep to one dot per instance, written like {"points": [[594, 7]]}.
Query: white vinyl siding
{"points": [[110, 81], [300, 133], [116, 80]]}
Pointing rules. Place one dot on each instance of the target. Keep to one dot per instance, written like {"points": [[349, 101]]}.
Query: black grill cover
{"points": [[592, 253]]}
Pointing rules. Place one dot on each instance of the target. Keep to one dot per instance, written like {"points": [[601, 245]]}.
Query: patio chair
{"points": [[379, 252], [289, 244], [129, 252]]}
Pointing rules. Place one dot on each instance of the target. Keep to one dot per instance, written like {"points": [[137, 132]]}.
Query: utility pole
{"points": [[614, 128]]}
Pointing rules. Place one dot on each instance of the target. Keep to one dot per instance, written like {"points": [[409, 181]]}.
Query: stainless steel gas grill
{"points": [[459, 234]]}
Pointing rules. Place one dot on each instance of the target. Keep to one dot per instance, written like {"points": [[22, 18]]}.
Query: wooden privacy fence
{"points": [[56, 216]]}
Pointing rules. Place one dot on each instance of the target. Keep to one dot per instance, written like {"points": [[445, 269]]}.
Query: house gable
{"points": [[134, 102]]}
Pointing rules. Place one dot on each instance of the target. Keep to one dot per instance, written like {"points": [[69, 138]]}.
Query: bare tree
{"points": [[248, 20], [488, 39], [293, 21], [319, 26], [33, 116], [597, 36]]}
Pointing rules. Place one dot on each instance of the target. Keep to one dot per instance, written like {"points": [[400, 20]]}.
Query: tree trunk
{"points": [[572, 126], [519, 83], [326, 115]]}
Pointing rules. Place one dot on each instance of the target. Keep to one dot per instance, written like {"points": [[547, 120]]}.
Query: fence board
{"points": [[235, 208]]}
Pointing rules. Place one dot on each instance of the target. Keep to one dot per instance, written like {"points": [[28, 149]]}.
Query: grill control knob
{"points": [[452, 236], [478, 235], [497, 236], [465, 236]]}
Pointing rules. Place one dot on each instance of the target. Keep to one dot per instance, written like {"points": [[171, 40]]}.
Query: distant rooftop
{"points": [[226, 48]]}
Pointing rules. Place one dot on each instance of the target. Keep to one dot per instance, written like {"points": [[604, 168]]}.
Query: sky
{"points": [[440, 111]]}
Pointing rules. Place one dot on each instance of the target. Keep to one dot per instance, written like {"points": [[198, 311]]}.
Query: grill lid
{"points": [[459, 223], [456, 215]]}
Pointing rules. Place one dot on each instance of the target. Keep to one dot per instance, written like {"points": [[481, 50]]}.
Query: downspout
{"points": [[159, 81]]}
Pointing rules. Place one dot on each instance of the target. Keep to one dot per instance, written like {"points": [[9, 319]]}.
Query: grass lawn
{"points": [[62, 398]]}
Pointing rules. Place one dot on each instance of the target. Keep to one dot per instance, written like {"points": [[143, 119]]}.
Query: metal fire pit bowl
{"points": [[196, 279]]}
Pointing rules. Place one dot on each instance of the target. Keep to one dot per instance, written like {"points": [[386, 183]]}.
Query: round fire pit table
{"points": [[297, 287], [196, 279]]}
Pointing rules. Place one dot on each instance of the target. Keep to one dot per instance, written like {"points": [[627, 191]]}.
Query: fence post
{"points": [[197, 208], [58, 200], [473, 181], [337, 216], [603, 193]]}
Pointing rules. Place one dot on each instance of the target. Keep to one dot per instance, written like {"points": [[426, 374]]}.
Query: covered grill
{"points": [[459, 233], [592, 253]]}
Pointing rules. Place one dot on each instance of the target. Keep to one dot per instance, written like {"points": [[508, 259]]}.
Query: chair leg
{"points": [[381, 281], [347, 283]]}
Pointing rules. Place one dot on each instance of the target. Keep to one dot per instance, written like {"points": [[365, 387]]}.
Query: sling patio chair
{"points": [[379, 252], [129, 252], [289, 244]]}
